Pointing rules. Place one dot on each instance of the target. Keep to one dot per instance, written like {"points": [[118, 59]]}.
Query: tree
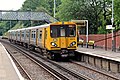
{"points": [[81, 9], [39, 5], [117, 14]]}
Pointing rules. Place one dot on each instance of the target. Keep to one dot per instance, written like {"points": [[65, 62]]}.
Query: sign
{"points": [[79, 22], [109, 27]]}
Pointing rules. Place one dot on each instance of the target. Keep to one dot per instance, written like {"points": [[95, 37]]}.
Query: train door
{"points": [[45, 42], [40, 38], [29, 37], [36, 37], [44, 37]]}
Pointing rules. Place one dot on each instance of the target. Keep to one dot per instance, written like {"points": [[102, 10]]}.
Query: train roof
{"points": [[34, 27], [41, 26], [21, 29], [12, 30]]}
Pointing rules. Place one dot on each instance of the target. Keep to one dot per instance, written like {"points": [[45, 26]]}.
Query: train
{"points": [[58, 39]]}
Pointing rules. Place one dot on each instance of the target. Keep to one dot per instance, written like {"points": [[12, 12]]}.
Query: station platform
{"points": [[102, 53], [8, 69]]}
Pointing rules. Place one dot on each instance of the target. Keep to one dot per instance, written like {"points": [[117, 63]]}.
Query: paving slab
{"points": [[115, 56], [8, 69]]}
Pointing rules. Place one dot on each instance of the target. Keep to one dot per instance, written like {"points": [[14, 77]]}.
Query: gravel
{"points": [[38, 73], [82, 70], [35, 72]]}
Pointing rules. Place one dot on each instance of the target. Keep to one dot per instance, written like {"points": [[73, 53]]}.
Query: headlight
{"points": [[72, 44], [53, 44]]}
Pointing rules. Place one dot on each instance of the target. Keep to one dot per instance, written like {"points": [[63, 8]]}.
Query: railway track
{"points": [[70, 75], [65, 71], [95, 71], [55, 74], [21, 69], [61, 74]]}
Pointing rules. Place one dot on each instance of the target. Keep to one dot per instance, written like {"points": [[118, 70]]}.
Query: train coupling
{"points": [[64, 53]]}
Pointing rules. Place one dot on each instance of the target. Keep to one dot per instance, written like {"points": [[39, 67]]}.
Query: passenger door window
{"points": [[62, 31]]}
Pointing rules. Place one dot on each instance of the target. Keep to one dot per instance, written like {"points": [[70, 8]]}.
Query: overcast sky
{"points": [[11, 4]]}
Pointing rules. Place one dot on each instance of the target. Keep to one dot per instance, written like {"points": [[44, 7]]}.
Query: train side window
{"points": [[22, 34], [27, 34], [15, 33], [34, 35], [40, 36], [31, 34], [18, 34]]}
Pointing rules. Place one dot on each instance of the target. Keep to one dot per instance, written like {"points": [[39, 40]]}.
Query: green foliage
{"points": [[18, 26], [101, 30], [38, 5], [6, 25], [70, 9], [97, 12], [49, 5], [81, 9], [30, 5], [117, 13]]}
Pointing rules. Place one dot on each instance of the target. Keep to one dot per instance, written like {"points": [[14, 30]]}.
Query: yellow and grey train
{"points": [[55, 39]]}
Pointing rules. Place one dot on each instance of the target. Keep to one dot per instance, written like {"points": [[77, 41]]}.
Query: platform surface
{"points": [[8, 69], [115, 56]]}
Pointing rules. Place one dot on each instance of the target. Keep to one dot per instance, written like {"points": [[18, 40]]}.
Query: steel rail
{"points": [[74, 74], [53, 72], [25, 72], [100, 72]]}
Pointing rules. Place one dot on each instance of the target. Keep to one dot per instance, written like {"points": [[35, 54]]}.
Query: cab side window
{"points": [[54, 32], [72, 31]]}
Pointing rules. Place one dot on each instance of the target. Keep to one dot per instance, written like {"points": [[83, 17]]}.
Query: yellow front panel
{"points": [[63, 43], [58, 42], [70, 40]]}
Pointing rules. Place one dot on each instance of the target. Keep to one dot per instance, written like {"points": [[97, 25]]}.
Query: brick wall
{"points": [[100, 39]]}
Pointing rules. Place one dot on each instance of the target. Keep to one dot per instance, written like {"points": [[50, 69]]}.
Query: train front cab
{"points": [[61, 40]]}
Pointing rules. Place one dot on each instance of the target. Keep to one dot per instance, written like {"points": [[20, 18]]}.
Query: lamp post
{"points": [[54, 9], [87, 33], [112, 20]]}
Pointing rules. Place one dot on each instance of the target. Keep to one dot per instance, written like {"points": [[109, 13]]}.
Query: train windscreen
{"points": [[63, 31]]}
